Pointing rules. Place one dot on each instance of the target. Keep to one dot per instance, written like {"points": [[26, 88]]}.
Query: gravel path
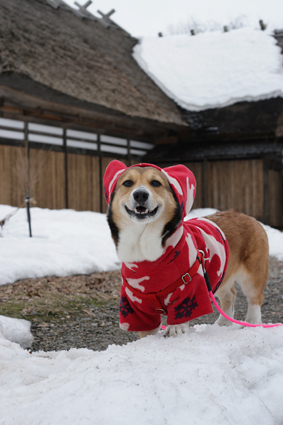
{"points": [[85, 323], [99, 327]]}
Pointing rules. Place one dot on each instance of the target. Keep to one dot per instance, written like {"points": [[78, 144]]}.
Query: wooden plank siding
{"points": [[275, 198], [104, 162], [231, 184], [224, 184], [49, 187], [11, 188], [197, 169], [83, 182], [236, 184]]}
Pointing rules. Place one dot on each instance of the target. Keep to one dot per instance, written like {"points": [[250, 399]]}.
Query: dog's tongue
{"points": [[141, 209]]}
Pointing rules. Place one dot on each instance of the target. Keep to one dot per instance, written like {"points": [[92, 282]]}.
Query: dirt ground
{"points": [[82, 311]]}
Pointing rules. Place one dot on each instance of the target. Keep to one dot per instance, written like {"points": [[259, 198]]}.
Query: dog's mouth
{"points": [[141, 212]]}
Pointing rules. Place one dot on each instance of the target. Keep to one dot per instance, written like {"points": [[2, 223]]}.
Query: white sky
{"points": [[148, 17]]}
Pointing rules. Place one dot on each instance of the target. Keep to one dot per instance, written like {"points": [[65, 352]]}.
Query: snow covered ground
{"points": [[64, 242], [210, 375], [69, 242], [214, 69]]}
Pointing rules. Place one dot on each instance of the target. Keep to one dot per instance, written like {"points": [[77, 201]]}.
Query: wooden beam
{"points": [[131, 126], [100, 174], [66, 168], [266, 215], [83, 8], [129, 152], [204, 184], [106, 15], [282, 189], [262, 25]]}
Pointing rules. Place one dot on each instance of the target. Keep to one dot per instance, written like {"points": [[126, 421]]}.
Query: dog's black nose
{"points": [[140, 196]]}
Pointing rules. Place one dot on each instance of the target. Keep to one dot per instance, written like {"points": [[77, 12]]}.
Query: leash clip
{"points": [[203, 259]]}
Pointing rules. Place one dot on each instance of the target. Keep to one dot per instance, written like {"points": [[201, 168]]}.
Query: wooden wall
{"points": [[11, 183], [104, 162], [196, 168], [275, 198], [83, 182], [47, 178], [236, 184], [239, 184], [223, 185]]}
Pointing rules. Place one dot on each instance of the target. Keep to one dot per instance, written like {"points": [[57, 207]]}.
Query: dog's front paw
{"points": [[175, 330]]}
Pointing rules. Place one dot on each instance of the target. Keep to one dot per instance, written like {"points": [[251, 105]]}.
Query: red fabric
{"points": [[179, 176], [188, 301]]}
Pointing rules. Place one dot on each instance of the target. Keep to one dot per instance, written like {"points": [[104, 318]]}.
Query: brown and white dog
{"points": [[145, 215]]}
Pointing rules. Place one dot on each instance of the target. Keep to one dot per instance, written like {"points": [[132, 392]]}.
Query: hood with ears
{"points": [[181, 179]]}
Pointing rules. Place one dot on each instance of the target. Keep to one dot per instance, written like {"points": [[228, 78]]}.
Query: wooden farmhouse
{"points": [[72, 98]]}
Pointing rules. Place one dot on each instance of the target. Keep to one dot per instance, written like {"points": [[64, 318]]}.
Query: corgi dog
{"points": [[165, 257]]}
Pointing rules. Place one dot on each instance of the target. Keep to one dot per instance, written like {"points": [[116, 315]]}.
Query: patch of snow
{"points": [[64, 242], [214, 69], [16, 330], [275, 240], [211, 375]]}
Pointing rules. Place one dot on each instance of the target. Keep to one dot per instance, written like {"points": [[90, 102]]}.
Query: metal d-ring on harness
{"points": [[155, 297]]}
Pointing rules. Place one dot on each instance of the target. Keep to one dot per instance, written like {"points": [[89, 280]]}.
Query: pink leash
{"points": [[238, 322]]}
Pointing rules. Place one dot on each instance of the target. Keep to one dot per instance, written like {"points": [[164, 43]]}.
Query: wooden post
{"points": [[266, 214], [27, 198], [282, 190], [129, 152], [100, 175], [106, 15], [84, 6], [66, 168], [204, 179], [27, 189], [262, 25]]}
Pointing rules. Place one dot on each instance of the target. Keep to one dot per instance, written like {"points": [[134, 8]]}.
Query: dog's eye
{"points": [[128, 183], [155, 183]]}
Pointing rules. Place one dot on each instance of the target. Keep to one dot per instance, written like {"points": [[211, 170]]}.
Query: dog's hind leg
{"points": [[252, 287], [252, 279], [227, 295]]}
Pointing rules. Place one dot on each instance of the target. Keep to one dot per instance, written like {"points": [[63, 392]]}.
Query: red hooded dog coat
{"points": [[138, 311]]}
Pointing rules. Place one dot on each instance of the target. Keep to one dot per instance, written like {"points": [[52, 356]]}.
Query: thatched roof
{"points": [[84, 58]]}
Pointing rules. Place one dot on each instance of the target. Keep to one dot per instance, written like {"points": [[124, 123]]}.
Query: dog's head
{"points": [[145, 193]]}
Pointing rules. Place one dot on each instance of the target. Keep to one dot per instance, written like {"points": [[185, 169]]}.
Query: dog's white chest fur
{"points": [[140, 242]]}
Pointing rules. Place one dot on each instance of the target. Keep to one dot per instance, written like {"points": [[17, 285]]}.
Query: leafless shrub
{"points": [[238, 22], [28, 172], [200, 27], [27, 176]]}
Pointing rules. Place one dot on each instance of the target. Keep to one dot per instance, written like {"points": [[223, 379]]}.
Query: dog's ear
{"points": [[183, 183], [111, 175]]}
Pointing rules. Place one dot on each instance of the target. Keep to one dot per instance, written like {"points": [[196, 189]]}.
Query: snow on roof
{"points": [[214, 69]]}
